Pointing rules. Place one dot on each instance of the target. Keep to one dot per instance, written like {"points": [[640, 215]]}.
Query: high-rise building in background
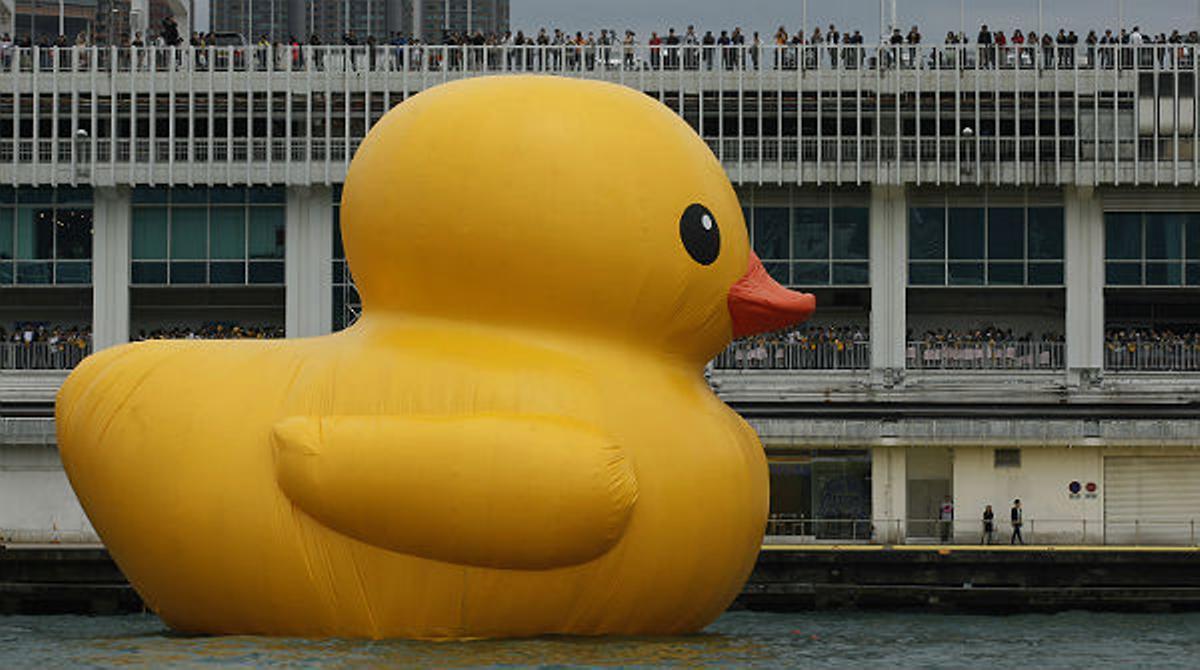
{"points": [[331, 20], [41, 18]]}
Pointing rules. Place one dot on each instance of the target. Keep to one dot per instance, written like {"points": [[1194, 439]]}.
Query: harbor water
{"points": [[743, 639]]}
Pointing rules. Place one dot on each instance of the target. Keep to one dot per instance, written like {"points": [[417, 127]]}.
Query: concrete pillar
{"points": [[889, 493], [139, 18], [395, 16], [1084, 277], [110, 266], [297, 19], [889, 279], [309, 274]]}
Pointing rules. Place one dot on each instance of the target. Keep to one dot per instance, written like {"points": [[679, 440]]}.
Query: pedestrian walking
{"points": [[989, 526], [1018, 518]]}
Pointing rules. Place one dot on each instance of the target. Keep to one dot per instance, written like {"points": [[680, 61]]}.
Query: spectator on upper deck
{"points": [[985, 46]]}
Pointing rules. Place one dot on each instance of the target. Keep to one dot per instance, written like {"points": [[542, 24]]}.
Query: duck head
{"points": [[551, 203]]}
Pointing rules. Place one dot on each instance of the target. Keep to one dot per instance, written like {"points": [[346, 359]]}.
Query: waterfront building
{"points": [[1005, 247]]}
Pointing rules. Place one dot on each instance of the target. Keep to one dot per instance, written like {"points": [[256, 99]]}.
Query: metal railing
{"points": [[833, 114], [565, 58], [985, 356], [751, 355], [42, 355], [1151, 356], [1181, 532]]}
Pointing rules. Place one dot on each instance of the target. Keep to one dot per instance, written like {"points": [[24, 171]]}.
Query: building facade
{"points": [[999, 243]]}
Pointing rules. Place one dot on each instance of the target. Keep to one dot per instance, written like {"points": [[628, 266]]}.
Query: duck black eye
{"points": [[700, 235]]}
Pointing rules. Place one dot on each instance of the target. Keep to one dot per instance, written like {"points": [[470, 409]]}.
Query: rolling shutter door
{"points": [[1151, 500]]}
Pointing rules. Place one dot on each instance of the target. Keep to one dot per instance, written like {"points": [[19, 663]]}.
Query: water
{"points": [[808, 640]]}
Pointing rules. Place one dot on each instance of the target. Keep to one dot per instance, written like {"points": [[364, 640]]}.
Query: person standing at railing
{"points": [[833, 38], [1017, 516], [946, 519], [989, 526]]}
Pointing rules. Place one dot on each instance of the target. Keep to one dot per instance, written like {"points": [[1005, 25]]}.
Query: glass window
{"points": [[189, 234], [35, 233], [149, 195], [227, 272], [965, 233], [1191, 236], [1193, 274], [149, 232], [780, 272], [1046, 233], [810, 233], [228, 232], [261, 195], [73, 231], [1164, 236], [810, 274], [1046, 274], [771, 232], [33, 195], [927, 274], [1164, 274], [188, 273], [1123, 274], [6, 234], [148, 273], [7, 272], [227, 195], [1122, 236], [35, 272], [73, 272], [267, 232], [850, 274], [851, 233], [966, 274], [1006, 233], [189, 195], [266, 272], [1011, 274], [926, 233]]}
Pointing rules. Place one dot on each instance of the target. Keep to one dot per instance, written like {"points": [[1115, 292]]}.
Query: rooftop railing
{"points": [[42, 355], [752, 355], [1152, 356], [566, 58], [999, 355]]}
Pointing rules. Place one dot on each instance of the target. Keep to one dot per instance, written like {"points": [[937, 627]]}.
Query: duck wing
{"points": [[499, 491]]}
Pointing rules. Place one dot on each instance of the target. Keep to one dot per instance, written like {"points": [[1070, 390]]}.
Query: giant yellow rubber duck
{"points": [[515, 439]]}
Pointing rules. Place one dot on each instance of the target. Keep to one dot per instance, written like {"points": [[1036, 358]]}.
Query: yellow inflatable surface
{"points": [[514, 439]]}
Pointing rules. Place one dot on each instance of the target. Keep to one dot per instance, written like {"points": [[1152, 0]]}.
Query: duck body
{"points": [[515, 439]]}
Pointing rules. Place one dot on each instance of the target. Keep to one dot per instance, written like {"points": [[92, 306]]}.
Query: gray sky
{"points": [[934, 17]]}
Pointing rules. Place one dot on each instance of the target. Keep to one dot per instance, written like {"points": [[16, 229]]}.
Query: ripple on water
{"points": [[746, 639]]}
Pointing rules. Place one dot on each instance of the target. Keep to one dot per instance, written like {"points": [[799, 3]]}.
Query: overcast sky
{"points": [[934, 17]]}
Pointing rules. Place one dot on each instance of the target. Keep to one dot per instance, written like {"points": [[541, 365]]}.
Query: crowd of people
{"points": [[41, 346], [686, 49], [214, 330], [1166, 348], [829, 347], [984, 347]]}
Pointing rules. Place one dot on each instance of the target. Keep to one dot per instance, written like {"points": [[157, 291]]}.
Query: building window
{"points": [[45, 236], [1152, 249], [821, 493], [1007, 458], [208, 236], [812, 246], [985, 246], [347, 305]]}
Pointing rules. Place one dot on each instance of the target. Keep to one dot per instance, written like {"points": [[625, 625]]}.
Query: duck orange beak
{"points": [[759, 304]]}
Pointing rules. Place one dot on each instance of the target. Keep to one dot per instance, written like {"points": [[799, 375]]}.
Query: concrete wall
{"points": [[1051, 514], [36, 500]]}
